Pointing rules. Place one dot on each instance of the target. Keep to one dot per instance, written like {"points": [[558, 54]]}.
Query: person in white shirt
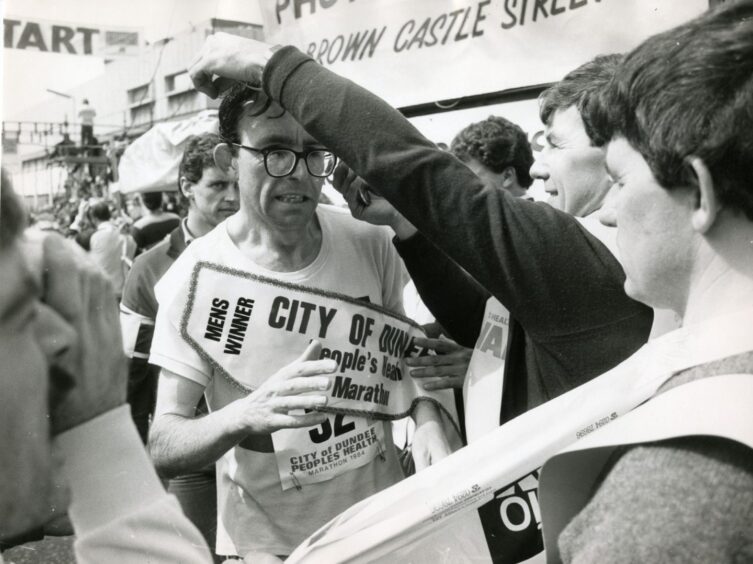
{"points": [[106, 245]]}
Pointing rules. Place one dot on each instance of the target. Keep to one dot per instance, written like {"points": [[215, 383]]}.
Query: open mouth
{"points": [[292, 198]]}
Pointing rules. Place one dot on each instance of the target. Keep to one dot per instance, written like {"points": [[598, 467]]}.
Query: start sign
{"points": [[70, 39]]}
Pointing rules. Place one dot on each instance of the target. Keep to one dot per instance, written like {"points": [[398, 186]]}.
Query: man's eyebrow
{"points": [[272, 140]]}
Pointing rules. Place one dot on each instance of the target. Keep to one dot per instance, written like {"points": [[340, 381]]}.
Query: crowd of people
{"points": [[159, 450]]}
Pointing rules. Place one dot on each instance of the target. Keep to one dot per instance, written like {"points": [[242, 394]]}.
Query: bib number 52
{"points": [[323, 432]]}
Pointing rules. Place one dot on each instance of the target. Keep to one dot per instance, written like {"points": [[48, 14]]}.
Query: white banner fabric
{"points": [[417, 51], [399, 520]]}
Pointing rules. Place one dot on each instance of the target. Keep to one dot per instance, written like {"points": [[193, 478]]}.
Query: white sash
{"points": [[248, 326], [413, 508], [722, 406]]}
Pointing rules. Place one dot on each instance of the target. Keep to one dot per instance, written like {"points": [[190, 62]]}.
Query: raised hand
{"points": [[226, 58], [366, 205]]}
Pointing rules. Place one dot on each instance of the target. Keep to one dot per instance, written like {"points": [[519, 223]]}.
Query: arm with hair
{"points": [[179, 441]]}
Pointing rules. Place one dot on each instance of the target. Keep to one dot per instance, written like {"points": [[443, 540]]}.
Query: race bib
{"points": [[317, 454]]}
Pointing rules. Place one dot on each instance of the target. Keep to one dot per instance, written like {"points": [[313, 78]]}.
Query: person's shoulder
{"points": [[152, 257], [339, 219]]}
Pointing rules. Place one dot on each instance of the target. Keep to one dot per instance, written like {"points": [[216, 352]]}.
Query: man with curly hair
{"points": [[498, 152]]}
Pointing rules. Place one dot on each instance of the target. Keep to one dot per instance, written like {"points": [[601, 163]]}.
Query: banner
{"points": [[69, 38], [417, 51], [418, 519]]}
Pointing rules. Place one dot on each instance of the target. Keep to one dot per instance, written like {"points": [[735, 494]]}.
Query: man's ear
{"points": [[186, 187], [509, 177], [224, 158], [707, 204]]}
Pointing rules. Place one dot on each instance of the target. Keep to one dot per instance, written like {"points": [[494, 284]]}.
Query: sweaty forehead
{"points": [[274, 128]]}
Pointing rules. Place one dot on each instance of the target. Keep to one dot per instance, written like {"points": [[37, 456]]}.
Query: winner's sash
{"points": [[433, 515], [248, 326]]}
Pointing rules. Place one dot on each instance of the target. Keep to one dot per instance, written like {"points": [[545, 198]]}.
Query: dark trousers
{"points": [[87, 135], [197, 494]]}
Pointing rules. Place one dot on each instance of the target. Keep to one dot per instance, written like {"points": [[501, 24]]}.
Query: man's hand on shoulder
{"points": [[280, 401], [226, 58]]}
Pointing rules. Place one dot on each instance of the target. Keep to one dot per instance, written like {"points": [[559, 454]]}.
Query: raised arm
{"points": [[527, 255]]}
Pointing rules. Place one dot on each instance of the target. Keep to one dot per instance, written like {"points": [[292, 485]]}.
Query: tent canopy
{"points": [[150, 163]]}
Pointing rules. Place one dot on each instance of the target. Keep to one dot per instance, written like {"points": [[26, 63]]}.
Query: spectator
{"points": [[64, 148], [212, 197], [498, 152], [571, 166], [63, 376], [86, 115], [107, 245], [155, 224], [134, 209]]}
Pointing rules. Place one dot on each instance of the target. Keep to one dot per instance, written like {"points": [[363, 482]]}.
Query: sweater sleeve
{"points": [[688, 499], [557, 279], [453, 297]]}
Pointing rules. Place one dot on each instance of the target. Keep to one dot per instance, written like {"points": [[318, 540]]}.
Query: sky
{"points": [[28, 74]]}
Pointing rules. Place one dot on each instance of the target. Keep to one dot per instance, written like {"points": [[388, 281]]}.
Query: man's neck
{"points": [[280, 250], [724, 283], [196, 224]]}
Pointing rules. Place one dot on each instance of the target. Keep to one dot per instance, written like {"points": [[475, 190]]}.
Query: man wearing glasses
{"points": [[280, 234]]}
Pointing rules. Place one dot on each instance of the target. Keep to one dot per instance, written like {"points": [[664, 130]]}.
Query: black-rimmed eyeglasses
{"points": [[282, 162]]}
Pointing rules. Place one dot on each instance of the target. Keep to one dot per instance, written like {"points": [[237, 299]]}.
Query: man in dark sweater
{"points": [[572, 282]]}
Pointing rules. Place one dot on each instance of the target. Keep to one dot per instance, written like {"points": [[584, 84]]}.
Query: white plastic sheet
{"points": [[150, 163]]}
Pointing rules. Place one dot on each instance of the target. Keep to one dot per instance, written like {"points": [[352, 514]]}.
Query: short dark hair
{"points": [[579, 88], [152, 200], [689, 91], [233, 103], [12, 215], [100, 211], [496, 143], [197, 156]]}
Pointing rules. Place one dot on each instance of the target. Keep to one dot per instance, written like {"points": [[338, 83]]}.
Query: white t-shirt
{"points": [[254, 513]]}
